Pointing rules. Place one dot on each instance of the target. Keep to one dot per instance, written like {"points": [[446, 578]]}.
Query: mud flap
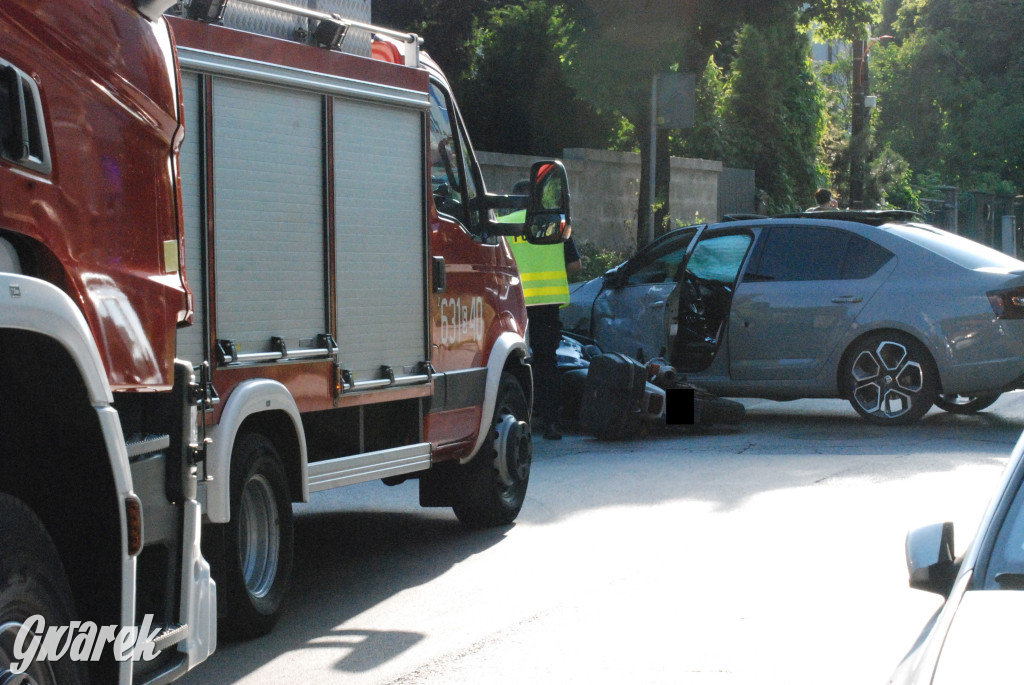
{"points": [[198, 591]]}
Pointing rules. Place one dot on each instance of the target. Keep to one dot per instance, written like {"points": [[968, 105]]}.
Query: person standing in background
{"points": [[544, 271], [827, 202]]}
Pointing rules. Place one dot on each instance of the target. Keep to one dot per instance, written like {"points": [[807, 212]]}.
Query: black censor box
{"points": [[679, 406]]}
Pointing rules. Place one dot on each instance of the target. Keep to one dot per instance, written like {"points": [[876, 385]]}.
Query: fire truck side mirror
{"points": [[152, 9], [547, 215]]}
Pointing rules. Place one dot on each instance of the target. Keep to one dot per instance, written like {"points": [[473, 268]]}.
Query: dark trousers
{"points": [[545, 334]]}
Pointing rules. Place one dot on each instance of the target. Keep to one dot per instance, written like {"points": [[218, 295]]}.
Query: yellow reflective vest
{"points": [[541, 267]]}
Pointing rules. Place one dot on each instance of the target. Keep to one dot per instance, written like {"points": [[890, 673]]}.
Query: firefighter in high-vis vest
{"points": [[544, 272]]}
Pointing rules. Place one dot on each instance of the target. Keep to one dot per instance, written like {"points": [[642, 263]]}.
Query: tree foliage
{"points": [[616, 53], [840, 19], [773, 114], [890, 182], [537, 76], [766, 114], [618, 49], [707, 138], [951, 91], [514, 94], [446, 26]]}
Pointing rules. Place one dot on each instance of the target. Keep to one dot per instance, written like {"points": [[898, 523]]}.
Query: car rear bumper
{"points": [[987, 376], [981, 354]]}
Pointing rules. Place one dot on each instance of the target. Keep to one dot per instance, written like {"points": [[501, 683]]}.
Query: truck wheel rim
{"points": [[38, 673], [259, 536], [513, 449]]}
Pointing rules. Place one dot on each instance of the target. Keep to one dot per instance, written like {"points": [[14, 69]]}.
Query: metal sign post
{"points": [[672, 106]]}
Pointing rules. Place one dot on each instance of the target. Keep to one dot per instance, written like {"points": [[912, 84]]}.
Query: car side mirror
{"points": [[614, 277], [931, 563], [547, 214]]}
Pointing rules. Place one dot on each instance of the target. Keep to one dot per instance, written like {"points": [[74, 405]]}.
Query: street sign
{"points": [[676, 97]]}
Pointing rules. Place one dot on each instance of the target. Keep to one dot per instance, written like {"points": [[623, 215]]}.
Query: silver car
{"points": [[891, 314], [975, 634]]}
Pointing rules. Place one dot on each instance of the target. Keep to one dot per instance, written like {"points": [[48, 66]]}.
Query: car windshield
{"points": [[957, 249], [1006, 563], [718, 258], [660, 264]]}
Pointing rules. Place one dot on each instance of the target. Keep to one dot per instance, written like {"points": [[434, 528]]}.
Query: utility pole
{"points": [[652, 167], [861, 105], [858, 124]]}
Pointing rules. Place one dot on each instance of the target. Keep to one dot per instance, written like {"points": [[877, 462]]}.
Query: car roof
{"points": [[871, 217], [874, 217], [908, 226], [865, 219], [728, 222]]}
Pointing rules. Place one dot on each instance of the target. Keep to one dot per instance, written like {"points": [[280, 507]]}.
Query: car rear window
{"points": [[863, 258], [955, 248]]}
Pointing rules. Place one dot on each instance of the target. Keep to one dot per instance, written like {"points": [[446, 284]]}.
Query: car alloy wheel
{"points": [[890, 379]]}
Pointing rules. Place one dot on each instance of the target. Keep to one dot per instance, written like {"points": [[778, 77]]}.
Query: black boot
{"points": [[551, 431]]}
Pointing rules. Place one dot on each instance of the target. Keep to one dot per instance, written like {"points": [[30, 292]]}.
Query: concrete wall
{"points": [[693, 190], [604, 187]]}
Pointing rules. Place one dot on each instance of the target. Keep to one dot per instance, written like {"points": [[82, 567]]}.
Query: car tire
{"points": [[889, 378], [966, 404], [259, 539], [486, 495], [32, 582]]}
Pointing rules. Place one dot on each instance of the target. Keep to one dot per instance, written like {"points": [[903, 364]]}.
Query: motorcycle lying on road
{"points": [[613, 396]]}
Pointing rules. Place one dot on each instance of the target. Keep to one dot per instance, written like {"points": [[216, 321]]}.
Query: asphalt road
{"points": [[771, 552]]}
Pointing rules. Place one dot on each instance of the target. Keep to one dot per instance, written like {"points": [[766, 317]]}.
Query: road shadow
{"points": [[358, 547], [779, 445], [347, 562], [831, 420]]}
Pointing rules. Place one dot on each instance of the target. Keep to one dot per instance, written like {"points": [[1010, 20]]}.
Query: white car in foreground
{"points": [[975, 635]]}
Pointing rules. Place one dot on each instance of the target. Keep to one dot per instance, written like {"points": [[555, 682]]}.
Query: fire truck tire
{"points": [[485, 496], [259, 540], [32, 582]]}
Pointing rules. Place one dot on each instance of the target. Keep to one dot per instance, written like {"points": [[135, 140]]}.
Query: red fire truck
{"points": [[351, 310]]}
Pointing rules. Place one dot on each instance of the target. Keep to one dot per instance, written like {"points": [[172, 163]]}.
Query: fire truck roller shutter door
{"points": [[269, 222], [380, 238]]}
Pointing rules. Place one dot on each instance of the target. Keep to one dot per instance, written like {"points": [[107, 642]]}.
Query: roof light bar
{"points": [[333, 27]]}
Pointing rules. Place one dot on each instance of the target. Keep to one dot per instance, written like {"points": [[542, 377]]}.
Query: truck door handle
{"points": [[440, 275], [846, 299]]}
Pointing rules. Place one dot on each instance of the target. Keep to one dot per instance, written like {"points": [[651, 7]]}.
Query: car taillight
{"points": [[1007, 304]]}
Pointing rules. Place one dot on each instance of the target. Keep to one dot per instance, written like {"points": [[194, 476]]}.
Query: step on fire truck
{"points": [[246, 254]]}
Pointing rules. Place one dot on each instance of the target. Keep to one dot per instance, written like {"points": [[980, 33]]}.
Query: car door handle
{"points": [[846, 299]]}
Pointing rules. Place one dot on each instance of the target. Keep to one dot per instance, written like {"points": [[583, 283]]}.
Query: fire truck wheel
{"points": [[491, 488], [32, 582], [258, 540]]}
